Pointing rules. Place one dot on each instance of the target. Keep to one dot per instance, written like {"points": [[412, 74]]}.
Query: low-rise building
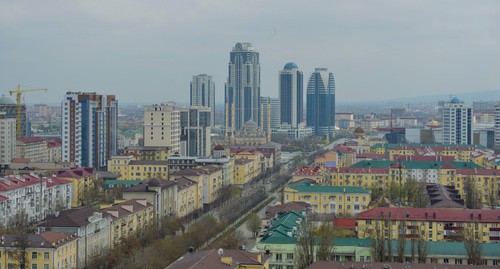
{"points": [[341, 200], [437, 224], [30, 198], [48, 250], [187, 196], [143, 153], [160, 192], [129, 218], [129, 168], [245, 171], [221, 259], [209, 180], [91, 227], [83, 180]]}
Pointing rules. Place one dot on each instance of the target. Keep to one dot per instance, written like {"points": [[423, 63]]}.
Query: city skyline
{"points": [[424, 47]]}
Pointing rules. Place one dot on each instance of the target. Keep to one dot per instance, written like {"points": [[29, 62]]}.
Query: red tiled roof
{"points": [[31, 139], [486, 172], [20, 181], [370, 155], [57, 238], [3, 198], [308, 171], [210, 259], [431, 214], [20, 160], [183, 182], [344, 149], [345, 223], [420, 158], [76, 172]]}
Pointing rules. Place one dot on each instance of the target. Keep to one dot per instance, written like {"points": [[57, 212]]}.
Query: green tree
{"points": [[325, 240], [253, 224], [305, 245]]}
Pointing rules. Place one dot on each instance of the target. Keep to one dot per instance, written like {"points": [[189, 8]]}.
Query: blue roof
{"points": [[290, 66], [456, 100]]}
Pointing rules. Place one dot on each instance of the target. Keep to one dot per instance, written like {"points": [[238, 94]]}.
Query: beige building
{"points": [[33, 148], [160, 192], [209, 179], [187, 196], [129, 218], [7, 139], [128, 168], [162, 126]]}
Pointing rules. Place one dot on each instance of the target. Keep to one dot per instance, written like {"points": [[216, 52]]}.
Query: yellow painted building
{"points": [[142, 153], [129, 218], [484, 181], [187, 196], [461, 153], [48, 250], [82, 181], [345, 201], [436, 224], [209, 179], [327, 159], [253, 154], [245, 171], [130, 169]]}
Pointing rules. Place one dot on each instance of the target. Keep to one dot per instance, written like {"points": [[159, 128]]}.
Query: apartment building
{"points": [[162, 126], [129, 218], [187, 196], [338, 200], [7, 139], [209, 179], [30, 198], [142, 153], [131, 169], [82, 180]]}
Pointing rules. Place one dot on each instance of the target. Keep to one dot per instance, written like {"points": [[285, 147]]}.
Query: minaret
{"points": [[227, 122], [269, 123]]}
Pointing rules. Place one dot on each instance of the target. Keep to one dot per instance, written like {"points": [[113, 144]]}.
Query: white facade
{"points": [[293, 133], [457, 122], [203, 94], [497, 129], [7, 139], [32, 197], [274, 104], [162, 126]]}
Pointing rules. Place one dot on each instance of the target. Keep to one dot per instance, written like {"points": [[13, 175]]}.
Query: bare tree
{"points": [[472, 243], [473, 199], [305, 245], [326, 237], [422, 245], [254, 224], [21, 252], [376, 233], [492, 197], [401, 242]]}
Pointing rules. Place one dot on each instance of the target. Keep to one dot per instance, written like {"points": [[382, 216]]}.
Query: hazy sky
{"points": [[148, 51]]}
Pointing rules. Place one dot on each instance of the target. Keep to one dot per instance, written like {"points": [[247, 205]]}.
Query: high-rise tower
{"points": [[89, 128], [321, 102], [457, 122], [242, 90], [291, 95], [203, 93]]}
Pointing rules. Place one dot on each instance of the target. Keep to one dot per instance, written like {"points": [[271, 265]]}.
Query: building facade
{"points": [[203, 94], [196, 125], [7, 139], [130, 169], [457, 122], [83, 181], [270, 113], [321, 102], [89, 128], [291, 95], [10, 108], [242, 90], [162, 126], [497, 129]]}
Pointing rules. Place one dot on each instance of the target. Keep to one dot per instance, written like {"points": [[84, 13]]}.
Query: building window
{"points": [[34, 255], [34, 266]]}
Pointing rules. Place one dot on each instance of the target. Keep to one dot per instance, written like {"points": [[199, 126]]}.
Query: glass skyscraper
{"points": [[242, 90], [202, 93], [320, 114], [291, 95]]}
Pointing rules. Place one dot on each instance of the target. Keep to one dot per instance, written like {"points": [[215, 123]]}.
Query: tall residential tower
{"points": [[242, 90], [291, 95], [321, 103], [89, 128], [203, 93], [457, 122]]}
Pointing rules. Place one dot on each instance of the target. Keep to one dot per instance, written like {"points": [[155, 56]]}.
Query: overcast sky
{"points": [[148, 51]]}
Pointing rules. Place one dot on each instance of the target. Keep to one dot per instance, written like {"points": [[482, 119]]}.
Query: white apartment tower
{"points": [[497, 129], [273, 105], [7, 139], [203, 94], [457, 122], [162, 126], [89, 128]]}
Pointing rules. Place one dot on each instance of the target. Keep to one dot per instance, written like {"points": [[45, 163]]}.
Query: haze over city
{"points": [[148, 51]]}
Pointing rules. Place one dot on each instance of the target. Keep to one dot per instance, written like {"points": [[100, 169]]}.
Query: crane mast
{"points": [[18, 93]]}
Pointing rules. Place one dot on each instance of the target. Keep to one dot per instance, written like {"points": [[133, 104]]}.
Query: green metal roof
{"points": [[305, 186], [414, 165], [115, 182]]}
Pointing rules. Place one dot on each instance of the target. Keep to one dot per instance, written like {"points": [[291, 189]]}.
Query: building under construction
{"points": [[8, 106]]}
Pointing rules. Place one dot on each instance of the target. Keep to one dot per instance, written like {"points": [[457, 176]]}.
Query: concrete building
{"points": [[89, 128], [270, 112], [93, 229], [196, 125], [30, 198], [291, 95], [7, 139], [8, 106], [128, 168], [497, 128], [242, 90], [320, 113], [203, 94], [162, 126], [457, 122], [82, 181]]}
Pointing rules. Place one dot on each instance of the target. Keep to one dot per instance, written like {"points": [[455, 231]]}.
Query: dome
{"points": [[250, 124], [455, 100], [4, 100], [290, 66], [359, 130], [219, 147]]}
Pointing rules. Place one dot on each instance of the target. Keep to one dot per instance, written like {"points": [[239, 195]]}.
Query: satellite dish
{"points": [[220, 251]]}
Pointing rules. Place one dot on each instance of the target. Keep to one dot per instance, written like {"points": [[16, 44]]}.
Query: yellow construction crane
{"points": [[18, 93]]}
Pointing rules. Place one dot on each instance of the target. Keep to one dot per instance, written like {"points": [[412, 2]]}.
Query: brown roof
{"points": [[76, 172], [431, 214], [75, 217], [183, 182], [152, 182], [148, 163], [271, 211], [58, 238], [210, 259], [380, 265], [126, 208]]}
